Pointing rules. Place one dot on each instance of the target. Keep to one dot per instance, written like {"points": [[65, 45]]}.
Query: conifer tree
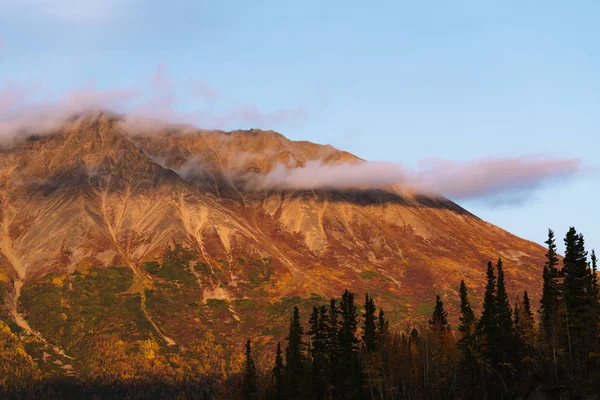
{"points": [[348, 324], [577, 300], [504, 318], [349, 371], [506, 347], [295, 359], [467, 316], [467, 341], [517, 321], [594, 312], [487, 325], [250, 383], [319, 328], [414, 335], [550, 304], [382, 327], [595, 289], [278, 371], [525, 335], [527, 305], [318, 331], [332, 343], [439, 319], [527, 327], [369, 324], [550, 290]]}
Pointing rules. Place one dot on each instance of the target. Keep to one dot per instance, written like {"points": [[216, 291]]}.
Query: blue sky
{"points": [[393, 81]]}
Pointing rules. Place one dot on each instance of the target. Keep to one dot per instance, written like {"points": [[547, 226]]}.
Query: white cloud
{"points": [[149, 106], [502, 180]]}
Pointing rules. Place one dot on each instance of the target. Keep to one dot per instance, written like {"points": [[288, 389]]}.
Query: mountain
{"points": [[112, 235]]}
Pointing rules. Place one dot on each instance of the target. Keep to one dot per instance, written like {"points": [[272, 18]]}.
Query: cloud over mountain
{"points": [[28, 110], [459, 180]]}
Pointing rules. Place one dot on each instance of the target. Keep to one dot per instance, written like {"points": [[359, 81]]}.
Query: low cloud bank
{"points": [[148, 107], [503, 179]]}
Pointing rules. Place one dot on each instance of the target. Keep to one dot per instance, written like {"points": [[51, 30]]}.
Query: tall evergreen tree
{"points": [[507, 349], [349, 370], [550, 290], [318, 331], [278, 373], [250, 383], [439, 319], [594, 289], [467, 316], [369, 324], [348, 324], [527, 305], [503, 310], [594, 312], [550, 304], [467, 341], [525, 334], [577, 299], [295, 359], [487, 325], [332, 344], [382, 327]]}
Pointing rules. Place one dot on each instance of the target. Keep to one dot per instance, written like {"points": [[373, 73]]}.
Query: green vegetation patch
{"points": [[72, 309], [258, 270], [425, 308], [174, 266], [368, 274], [218, 305]]}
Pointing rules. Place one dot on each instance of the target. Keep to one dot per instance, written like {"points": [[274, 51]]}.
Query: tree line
{"points": [[508, 351]]}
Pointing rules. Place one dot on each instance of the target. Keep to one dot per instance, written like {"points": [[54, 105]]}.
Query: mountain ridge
{"points": [[91, 195]]}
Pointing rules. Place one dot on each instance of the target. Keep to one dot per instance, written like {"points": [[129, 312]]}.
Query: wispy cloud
{"points": [[499, 179], [202, 90], [26, 110]]}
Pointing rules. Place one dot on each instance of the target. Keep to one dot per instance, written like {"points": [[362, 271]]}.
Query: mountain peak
{"points": [[94, 194]]}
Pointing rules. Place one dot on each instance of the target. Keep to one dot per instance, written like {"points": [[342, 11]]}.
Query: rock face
{"points": [[91, 195]]}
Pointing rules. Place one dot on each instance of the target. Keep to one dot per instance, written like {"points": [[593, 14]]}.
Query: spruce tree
{"points": [[318, 331], [382, 327], [250, 383], [369, 324], [488, 322], [517, 321], [349, 378], [594, 285], [550, 306], [527, 305], [319, 328], [332, 343], [577, 300], [439, 319], [295, 359], [507, 349], [278, 374], [525, 334], [466, 342], [594, 312], [348, 324], [550, 291], [467, 316]]}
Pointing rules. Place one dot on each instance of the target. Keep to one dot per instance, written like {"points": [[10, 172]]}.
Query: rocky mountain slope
{"points": [[92, 202]]}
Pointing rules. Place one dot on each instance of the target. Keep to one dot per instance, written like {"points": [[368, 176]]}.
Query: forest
{"points": [[524, 349]]}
